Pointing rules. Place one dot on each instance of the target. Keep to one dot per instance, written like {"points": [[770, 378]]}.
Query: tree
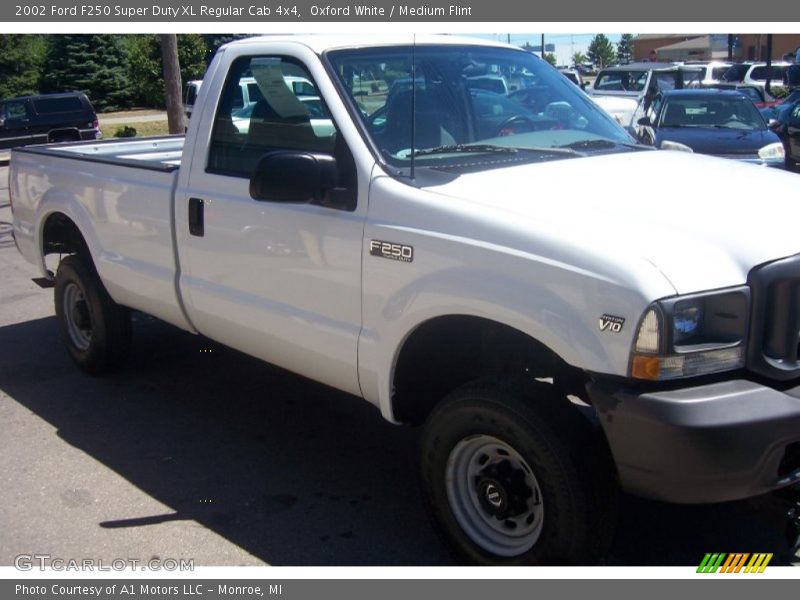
{"points": [[214, 40], [96, 65], [625, 48], [601, 51], [21, 58], [145, 65], [550, 57], [579, 58], [172, 81]]}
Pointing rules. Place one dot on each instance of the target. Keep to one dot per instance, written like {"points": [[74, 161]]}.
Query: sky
{"points": [[567, 44]]}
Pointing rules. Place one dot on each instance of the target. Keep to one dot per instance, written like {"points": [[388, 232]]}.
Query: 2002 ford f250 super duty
{"points": [[405, 235]]}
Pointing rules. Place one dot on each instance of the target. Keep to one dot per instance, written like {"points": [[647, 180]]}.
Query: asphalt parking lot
{"points": [[197, 451]]}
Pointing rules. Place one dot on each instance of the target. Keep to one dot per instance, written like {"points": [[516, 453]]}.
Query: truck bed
{"points": [[125, 215], [155, 153]]}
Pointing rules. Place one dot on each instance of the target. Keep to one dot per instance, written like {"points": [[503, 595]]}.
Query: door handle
{"points": [[196, 222]]}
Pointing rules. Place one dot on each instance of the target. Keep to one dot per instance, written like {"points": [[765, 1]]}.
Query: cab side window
{"points": [[14, 110], [283, 111]]}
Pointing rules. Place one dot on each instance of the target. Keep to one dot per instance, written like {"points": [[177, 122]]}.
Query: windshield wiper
{"points": [[592, 144], [454, 148], [730, 127]]}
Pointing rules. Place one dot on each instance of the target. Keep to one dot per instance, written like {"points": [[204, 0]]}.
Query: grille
{"points": [[774, 345]]}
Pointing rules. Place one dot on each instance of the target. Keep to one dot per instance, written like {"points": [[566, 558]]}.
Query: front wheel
{"points": [[95, 329], [511, 476]]}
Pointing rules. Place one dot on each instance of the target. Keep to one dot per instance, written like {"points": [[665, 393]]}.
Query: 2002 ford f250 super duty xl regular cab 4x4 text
{"points": [[414, 244]]}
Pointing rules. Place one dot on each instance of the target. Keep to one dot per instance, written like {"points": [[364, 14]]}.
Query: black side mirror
{"points": [[644, 121], [293, 176], [773, 124], [584, 85]]}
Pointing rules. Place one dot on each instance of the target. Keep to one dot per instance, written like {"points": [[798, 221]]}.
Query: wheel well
{"points": [[447, 352], [62, 236], [59, 135]]}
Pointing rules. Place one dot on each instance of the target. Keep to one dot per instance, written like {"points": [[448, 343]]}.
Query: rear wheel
{"points": [[95, 329], [511, 476]]}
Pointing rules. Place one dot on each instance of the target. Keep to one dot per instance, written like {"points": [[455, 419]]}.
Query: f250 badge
{"points": [[611, 323], [391, 251]]}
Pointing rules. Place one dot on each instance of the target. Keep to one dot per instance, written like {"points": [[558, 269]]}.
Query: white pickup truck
{"points": [[425, 252]]}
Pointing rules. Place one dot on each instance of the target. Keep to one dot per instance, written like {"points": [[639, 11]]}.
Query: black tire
{"points": [[95, 329], [571, 477]]}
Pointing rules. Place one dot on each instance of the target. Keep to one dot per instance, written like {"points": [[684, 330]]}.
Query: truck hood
{"points": [[702, 221]]}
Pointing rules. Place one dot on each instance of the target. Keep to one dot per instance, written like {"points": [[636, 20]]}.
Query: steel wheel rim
{"points": [[77, 316], [494, 495]]}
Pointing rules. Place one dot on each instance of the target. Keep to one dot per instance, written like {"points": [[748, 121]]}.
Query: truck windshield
{"points": [[469, 98]]}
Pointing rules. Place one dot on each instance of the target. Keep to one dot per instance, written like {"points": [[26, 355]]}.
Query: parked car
{"points": [[316, 113], [717, 122], [574, 76], [490, 83], [247, 93], [793, 76], [709, 72], [775, 110], [786, 125], [190, 91], [622, 109], [756, 73], [757, 95], [736, 73], [46, 118], [642, 80], [555, 344]]}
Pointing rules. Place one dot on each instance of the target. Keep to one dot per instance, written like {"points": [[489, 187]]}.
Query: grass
{"points": [[143, 128], [133, 112]]}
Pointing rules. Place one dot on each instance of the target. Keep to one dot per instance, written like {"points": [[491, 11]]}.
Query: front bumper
{"points": [[709, 443]]}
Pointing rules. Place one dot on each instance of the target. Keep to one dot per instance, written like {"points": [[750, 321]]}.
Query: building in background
{"points": [[683, 47]]}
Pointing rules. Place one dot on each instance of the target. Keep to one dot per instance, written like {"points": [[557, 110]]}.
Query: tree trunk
{"points": [[172, 82]]}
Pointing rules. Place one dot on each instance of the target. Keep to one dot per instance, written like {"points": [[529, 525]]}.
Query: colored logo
{"points": [[738, 562]]}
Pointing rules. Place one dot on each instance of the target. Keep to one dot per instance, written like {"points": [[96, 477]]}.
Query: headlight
{"points": [[692, 335], [668, 145], [772, 152]]}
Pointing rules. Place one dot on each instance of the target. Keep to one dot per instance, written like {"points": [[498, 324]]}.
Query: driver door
{"points": [[276, 280]]}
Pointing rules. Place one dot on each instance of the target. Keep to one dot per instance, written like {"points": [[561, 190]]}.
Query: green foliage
{"points": [[551, 58], [214, 40], [601, 51], [579, 58], [125, 131], [21, 58], [778, 91], [94, 64], [146, 68], [625, 48]]}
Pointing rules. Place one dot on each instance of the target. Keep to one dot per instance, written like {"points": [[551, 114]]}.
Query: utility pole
{"points": [[542, 45], [172, 82]]}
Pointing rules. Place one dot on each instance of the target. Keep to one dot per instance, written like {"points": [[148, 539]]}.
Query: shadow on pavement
{"points": [[293, 472]]}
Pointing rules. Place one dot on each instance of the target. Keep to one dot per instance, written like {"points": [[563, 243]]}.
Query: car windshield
{"points": [[621, 81], [455, 111], [735, 112]]}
